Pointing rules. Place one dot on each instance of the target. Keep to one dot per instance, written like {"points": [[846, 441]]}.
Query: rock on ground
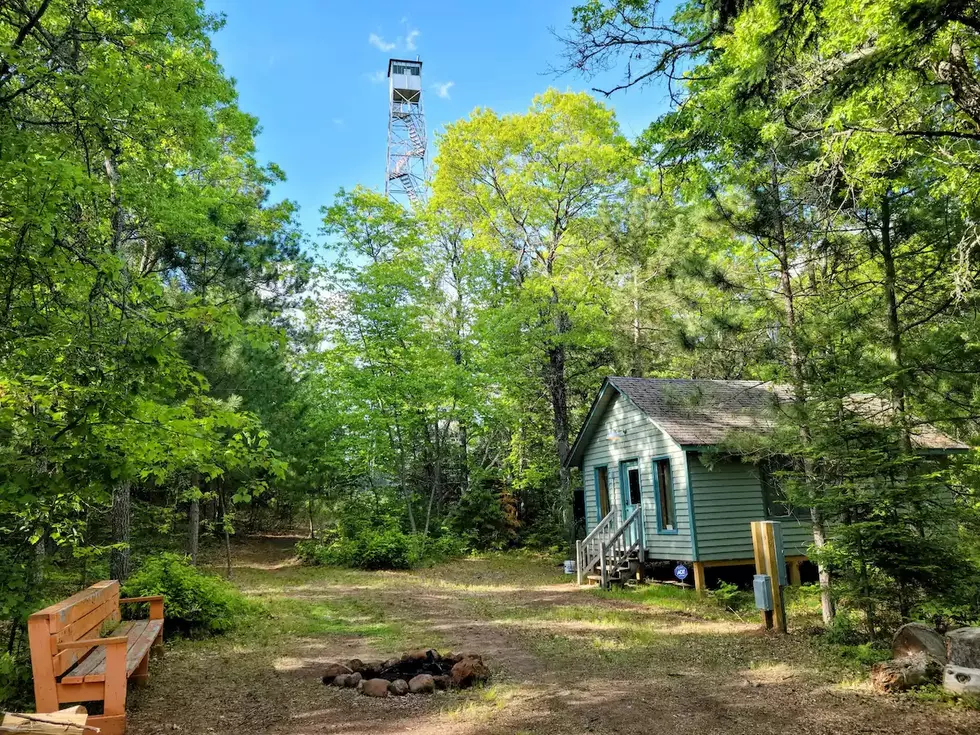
{"points": [[904, 673], [341, 680], [353, 680], [399, 687], [963, 647], [961, 680], [471, 670], [422, 684], [375, 688], [442, 682], [914, 638], [333, 671]]}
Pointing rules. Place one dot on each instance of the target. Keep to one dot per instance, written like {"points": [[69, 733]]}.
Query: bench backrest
{"points": [[80, 617]]}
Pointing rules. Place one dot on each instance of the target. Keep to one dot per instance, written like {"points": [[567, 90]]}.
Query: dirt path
{"points": [[564, 661]]}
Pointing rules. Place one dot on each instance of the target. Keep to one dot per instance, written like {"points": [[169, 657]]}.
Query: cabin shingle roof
{"points": [[705, 412]]}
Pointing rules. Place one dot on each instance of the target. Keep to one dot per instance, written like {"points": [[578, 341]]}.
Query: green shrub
{"points": [[15, 681], [730, 597], [844, 630], [194, 602], [385, 549], [440, 548], [484, 519], [388, 549]]}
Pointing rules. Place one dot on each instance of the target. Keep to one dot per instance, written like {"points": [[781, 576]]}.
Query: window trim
{"points": [[595, 480], [670, 494]]}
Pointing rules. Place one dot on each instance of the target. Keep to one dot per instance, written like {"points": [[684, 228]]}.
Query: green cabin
{"points": [[654, 489]]}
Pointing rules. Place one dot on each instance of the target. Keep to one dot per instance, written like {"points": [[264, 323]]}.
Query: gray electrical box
{"points": [[762, 586]]}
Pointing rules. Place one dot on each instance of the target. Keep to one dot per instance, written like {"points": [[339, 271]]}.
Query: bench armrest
{"points": [[90, 642], [156, 604]]}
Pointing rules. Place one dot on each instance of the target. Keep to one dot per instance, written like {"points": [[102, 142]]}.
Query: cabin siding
{"points": [[643, 441], [727, 498]]}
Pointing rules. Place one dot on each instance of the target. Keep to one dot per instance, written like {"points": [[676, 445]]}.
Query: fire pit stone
{"points": [[422, 671]]}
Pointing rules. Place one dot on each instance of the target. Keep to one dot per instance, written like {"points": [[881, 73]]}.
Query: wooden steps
{"points": [[622, 574]]}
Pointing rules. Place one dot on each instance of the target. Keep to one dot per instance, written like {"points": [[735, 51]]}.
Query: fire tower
{"points": [[406, 174]]}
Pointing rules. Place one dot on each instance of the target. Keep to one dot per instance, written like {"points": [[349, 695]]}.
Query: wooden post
{"points": [[115, 676], [794, 573], [699, 584], [773, 562], [767, 561], [758, 548], [45, 684]]}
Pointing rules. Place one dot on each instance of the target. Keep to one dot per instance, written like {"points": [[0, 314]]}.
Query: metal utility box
{"points": [[762, 586]]}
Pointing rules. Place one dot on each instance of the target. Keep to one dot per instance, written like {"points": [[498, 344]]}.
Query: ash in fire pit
{"points": [[417, 672]]}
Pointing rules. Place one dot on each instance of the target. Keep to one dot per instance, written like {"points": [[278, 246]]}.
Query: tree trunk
{"points": [[402, 471], [798, 374], [436, 490], [224, 527], [898, 382], [194, 525], [119, 557], [309, 511], [558, 389], [636, 369]]}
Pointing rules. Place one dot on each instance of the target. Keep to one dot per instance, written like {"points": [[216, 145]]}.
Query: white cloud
{"points": [[379, 43], [410, 39], [442, 89], [338, 121], [377, 77]]}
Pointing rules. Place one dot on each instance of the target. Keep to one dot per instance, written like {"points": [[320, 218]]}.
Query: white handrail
{"points": [[619, 546], [589, 549], [627, 524], [600, 526]]}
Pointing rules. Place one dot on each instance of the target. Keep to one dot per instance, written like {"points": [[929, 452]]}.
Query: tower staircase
{"points": [[401, 172], [401, 175], [613, 552]]}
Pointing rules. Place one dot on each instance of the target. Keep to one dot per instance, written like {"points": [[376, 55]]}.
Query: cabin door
{"points": [[629, 486]]}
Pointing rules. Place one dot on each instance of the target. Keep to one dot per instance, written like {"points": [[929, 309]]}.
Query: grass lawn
{"points": [[565, 660]]}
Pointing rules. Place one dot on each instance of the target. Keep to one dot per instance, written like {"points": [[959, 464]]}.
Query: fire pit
{"points": [[416, 672]]}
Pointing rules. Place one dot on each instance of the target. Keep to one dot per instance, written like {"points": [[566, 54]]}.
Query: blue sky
{"points": [[313, 73]]}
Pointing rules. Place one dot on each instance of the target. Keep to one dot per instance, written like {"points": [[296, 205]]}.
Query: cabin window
{"points": [[629, 475], [602, 491], [772, 477], [666, 513]]}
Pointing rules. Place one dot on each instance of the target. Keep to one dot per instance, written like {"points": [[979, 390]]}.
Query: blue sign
{"points": [[680, 571]]}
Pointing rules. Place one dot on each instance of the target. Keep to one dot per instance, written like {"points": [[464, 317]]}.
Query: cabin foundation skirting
{"points": [[699, 567]]}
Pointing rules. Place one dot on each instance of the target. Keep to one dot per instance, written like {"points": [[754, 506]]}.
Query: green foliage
{"points": [[367, 549], [846, 638], [732, 598], [379, 549], [936, 693], [15, 681], [194, 602], [482, 520]]}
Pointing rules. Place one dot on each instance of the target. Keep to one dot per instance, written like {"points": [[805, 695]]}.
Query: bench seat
{"points": [[82, 652], [141, 635]]}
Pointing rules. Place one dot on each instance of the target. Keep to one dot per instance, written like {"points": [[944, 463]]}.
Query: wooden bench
{"points": [[73, 662]]}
